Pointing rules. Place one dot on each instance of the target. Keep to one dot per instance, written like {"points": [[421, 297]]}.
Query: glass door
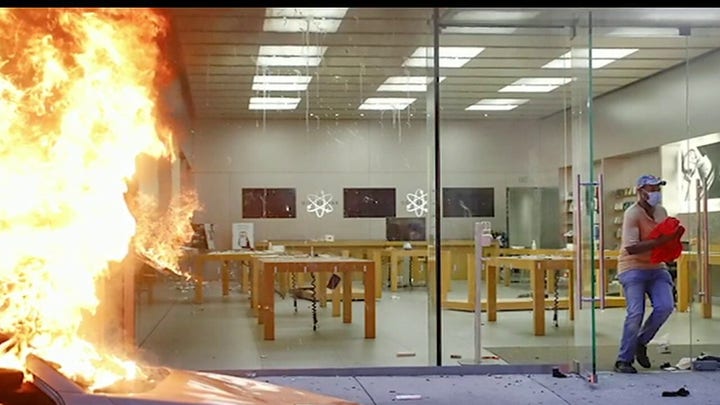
{"points": [[696, 272], [506, 159], [587, 241], [634, 131]]}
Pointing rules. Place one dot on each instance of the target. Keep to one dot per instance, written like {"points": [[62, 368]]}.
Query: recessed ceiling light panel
{"points": [[579, 58], [386, 103], [407, 83], [450, 56], [497, 104], [273, 103], [280, 83], [535, 85]]}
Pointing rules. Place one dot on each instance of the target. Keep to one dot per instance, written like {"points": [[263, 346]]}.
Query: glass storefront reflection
{"points": [[312, 138]]}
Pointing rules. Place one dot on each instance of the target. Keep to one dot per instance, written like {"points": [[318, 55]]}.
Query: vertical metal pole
{"points": [[438, 189], [699, 241], [578, 245], [478, 290], [601, 248], [706, 247]]}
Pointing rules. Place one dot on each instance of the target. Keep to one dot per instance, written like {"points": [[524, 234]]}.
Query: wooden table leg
{"points": [[322, 279], [431, 282], [225, 275], [347, 296], [683, 284], [707, 299], [445, 275], [244, 279], [447, 267], [471, 280], [377, 258], [255, 288], [267, 297], [369, 278], [336, 299], [492, 272], [199, 277], [393, 272], [420, 272], [571, 293], [538, 288], [283, 283]]}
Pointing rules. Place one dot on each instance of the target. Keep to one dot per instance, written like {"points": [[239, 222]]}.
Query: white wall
{"points": [[632, 123], [651, 112], [228, 156]]}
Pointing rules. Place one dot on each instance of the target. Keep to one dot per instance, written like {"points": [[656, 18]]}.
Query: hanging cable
{"points": [[293, 288], [556, 298], [313, 304]]}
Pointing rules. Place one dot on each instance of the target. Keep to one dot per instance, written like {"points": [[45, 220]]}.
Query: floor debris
{"points": [[682, 392], [404, 397], [557, 373]]}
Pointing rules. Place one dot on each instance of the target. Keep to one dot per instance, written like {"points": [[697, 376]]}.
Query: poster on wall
{"points": [[243, 235], [268, 202], [461, 202], [203, 236], [210, 235], [684, 163]]}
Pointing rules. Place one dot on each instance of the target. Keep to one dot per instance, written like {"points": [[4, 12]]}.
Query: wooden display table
{"points": [[684, 277], [243, 255], [270, 267], [539, 267]]}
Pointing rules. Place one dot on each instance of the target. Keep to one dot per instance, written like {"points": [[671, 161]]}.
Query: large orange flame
{"points": [[160, 236], [77, 106]]}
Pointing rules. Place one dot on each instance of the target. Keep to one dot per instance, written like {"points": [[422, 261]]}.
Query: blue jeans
{"points": [[658, 285]]}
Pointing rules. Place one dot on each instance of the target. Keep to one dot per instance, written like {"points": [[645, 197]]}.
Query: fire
{"points": [[78, 105], [161, 235]]}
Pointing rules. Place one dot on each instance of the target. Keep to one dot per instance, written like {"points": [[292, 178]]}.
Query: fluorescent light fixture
{"points": [[494, 15], [450, 56], [637, 32], [273, 103], [303, 19], [497, 104], [579, 58], [479, 30], [535, 85], [407, 83], [304, 12], [280, 83], [290, 55], [386, 103]]}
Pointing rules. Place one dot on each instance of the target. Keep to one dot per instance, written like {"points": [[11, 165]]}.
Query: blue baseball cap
{"points": [[649, 180]]}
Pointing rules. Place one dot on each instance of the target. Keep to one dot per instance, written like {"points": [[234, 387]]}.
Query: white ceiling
{"points": [[220, 47]]}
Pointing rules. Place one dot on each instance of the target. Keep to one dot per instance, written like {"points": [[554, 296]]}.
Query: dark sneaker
{"points": [[641, 355], [624, 367]]}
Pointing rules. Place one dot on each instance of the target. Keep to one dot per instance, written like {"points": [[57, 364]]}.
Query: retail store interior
{"points": [[334, 155]]}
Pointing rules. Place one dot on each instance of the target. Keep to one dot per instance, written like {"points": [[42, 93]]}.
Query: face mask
{"points": [[654, 198]]}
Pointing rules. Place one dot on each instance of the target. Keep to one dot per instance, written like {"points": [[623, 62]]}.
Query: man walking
{"points": [[639, 276]]}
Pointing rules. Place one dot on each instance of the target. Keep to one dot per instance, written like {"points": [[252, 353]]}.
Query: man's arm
{"points": [[631, 234], [648, 245]]}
